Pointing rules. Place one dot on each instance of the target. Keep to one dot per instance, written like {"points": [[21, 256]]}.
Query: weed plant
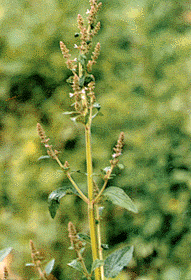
{"points": [[84, 110]]}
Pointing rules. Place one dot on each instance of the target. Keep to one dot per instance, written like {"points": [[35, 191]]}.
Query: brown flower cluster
{"points": [[94, 57], [118, 149], [70, 63], [74, 239], [45, 140], [83, 92]]}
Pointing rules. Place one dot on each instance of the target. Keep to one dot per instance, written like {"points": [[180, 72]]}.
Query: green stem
{"points": [[99, 238], [80, 258], [77, 188], [91, 206], [104, 185]]}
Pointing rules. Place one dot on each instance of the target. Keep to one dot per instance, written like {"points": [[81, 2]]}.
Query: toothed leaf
{"points": [[118, 197], [116, 261]]}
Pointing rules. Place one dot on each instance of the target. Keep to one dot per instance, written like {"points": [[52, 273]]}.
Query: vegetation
{"points": [[142, 83]]}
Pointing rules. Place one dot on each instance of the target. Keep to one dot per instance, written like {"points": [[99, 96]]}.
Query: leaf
{"points": [[119, 197], [97, 106], [43, 157], [4, 253], [120, 166], [89, 78], [84, 237], [106, 169], [55, 196], [82, 59], [105, 246], [49, 267], [70, 80], [81, 81], [96, 264], [116, 261], [101, 209], [70, 113], [29, 264], [80, 118], [76, 265]]}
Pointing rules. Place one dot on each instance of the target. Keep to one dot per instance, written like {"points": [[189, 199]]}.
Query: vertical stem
{"points": [[99, 238], [91, 208]]}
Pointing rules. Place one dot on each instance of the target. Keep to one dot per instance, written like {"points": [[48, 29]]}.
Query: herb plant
{"points": [[84, 103], [85, 109]]}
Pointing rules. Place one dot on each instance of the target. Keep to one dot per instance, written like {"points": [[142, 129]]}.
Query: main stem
{"points": [[91, 208]]}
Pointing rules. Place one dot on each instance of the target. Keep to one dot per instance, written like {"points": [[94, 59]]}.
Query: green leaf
{"points": [[29, 264], [84, 237], [101, 209], [106, 169], [116, 261], [120, 166], [80, 118], [82, 59], [55, 196], [97, 106], [96, 264], [119, 197], [70, 113], [43, 157], [76, 265], [89, 78], [70, 80], [81, 81], [105, 246], [49, 267], [4, 253]]}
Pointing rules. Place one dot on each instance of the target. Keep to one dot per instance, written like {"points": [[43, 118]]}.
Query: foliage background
{"points": [[143, 86]]}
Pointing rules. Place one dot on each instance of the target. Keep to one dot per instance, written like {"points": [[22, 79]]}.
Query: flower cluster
{"points": [[74, 239], [118, 149], [82, 82], [45, 140], [70, 63], [94, 57], [92, 13], [35, 255]]}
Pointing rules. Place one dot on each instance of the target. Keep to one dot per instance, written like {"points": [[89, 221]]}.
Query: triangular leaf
{"points": [[55, 196], [49, 267], [4, 253], [119, 197], [76, 265], [96, 264], [116, 261]]}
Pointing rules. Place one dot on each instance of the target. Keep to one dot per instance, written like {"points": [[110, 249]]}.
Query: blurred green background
{"points": [[143, 85]]}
